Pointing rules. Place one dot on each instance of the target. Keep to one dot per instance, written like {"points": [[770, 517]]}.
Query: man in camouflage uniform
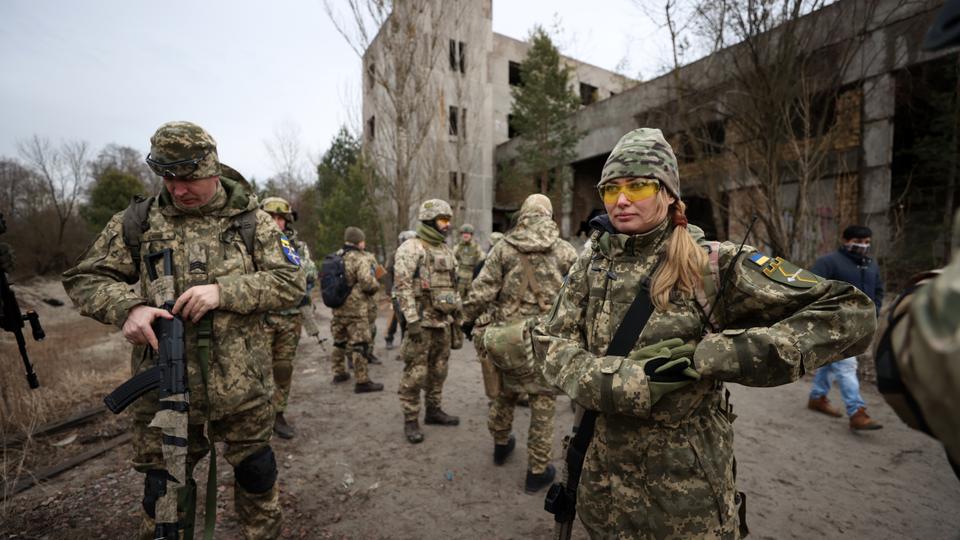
{"points": [[350, 326], [284, 326], [425, 289], [468, 254], [520, 278], [373, 308], [660, 464], [220, 286]]}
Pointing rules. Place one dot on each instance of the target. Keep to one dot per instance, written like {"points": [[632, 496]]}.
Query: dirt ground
{"points": [[349, 473]]}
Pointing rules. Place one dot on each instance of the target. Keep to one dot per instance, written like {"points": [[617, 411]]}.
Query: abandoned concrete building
{"points": [[874, 140]]}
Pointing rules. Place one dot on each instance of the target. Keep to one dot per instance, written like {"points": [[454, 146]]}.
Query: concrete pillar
{"points": [[876, 151], [566, 200]]}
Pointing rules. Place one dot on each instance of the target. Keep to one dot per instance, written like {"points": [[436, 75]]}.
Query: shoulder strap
{"points": [[622, 343], [707, 292], [247, 223], [136, 222]]}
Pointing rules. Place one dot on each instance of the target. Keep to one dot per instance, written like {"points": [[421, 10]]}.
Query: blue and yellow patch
{"points": [[289, 251], [784, 272]]}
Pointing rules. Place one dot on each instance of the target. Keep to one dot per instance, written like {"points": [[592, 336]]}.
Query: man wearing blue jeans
{"points": [[851, 264]]}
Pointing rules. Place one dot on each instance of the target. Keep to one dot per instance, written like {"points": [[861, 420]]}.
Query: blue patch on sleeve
{"points": [[288, 250]]}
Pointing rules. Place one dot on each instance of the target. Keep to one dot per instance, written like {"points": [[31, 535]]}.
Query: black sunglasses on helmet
{"points": [[175, 169]]}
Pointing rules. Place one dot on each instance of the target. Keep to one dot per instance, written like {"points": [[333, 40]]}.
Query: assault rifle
{"points": [[169, 376], [11, 320]]}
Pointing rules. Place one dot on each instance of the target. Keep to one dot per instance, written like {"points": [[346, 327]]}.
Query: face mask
{"points": [[859, 249]]}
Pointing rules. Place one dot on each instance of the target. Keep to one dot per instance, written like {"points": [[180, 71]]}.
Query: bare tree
{"points": [[291, 162], [127, 160], [62, 171], [400, 46]]}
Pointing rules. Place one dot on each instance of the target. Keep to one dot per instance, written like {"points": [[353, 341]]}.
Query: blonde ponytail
{"points": [[682, 268]]}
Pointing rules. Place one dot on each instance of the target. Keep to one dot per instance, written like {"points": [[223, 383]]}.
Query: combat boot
{"points": [[860, 421], [438, 417], [371, 358], [502, 451], [369, 386], [282, 428], [411, 428], [822, 405], [341, 377], [536, 482], [389, 341]]}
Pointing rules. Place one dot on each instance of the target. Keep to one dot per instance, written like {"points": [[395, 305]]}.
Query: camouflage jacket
{"points": [[522, 274], [926, 344], [361, 276], [207, 249], [425, 283], [468, 256], [307, 266], [772, 333]]}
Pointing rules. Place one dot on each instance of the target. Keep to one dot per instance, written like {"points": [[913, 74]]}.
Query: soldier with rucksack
{"points": [[349, 284]]}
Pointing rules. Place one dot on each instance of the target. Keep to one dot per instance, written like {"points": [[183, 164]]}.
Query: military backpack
{"points": [[334, 287]]}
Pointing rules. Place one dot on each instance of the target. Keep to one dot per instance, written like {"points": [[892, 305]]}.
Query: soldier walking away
{"points": [[350, 326], [395, 314], [469, 255], [373, 307], [425, 289], [229, 267], [645, 332], [520, 278], [284, 326], [851, 264]]}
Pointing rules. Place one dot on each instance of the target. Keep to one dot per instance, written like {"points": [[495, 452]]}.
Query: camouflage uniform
{"points": [[425, 288], [468, 255], [350, 326], [666, 469], [925, 344], [520, 278], [207, 249]]}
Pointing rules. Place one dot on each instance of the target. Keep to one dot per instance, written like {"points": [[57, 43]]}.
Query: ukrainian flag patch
{"points": [[759, 258], [288, 250]]}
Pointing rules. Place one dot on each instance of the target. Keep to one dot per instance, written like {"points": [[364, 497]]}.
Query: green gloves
{"points": [[667, 365]]}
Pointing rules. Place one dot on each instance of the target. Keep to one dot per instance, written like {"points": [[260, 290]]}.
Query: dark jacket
{"points": [[860, 271]]}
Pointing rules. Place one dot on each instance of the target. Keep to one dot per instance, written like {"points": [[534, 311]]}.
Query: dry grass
{"points": [[78, 363]]}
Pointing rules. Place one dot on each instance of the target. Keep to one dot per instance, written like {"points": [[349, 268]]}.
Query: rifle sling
{"points": [[622, 343], [204, 343]]}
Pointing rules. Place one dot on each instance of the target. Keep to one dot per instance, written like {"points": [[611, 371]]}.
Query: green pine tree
{"points": [[111, 193], [542, 106], [343, 197]]}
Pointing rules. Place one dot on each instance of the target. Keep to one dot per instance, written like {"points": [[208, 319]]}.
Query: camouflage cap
{"points": [[354, 235], [434, 208], [183, 141], [643, 153], [537, 205], [278, 205], [466, 228]]}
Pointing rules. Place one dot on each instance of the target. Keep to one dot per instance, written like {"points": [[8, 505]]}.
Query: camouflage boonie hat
{"points": [[643, 153], [354, 235], [466, 228], [537, 204], [176, 142], [278, 205], [433, 209]]}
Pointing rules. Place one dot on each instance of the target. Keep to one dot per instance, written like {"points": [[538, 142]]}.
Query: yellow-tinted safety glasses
{"points": [[636, 190], [441, 221]]}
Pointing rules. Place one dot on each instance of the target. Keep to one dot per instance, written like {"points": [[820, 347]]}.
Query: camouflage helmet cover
{"points": [[434, 208], [180, 141], [466, 228], [643, 153], [279, 206], [537, 204]]}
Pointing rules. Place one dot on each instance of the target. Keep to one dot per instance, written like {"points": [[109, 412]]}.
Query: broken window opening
{"points": [[588, 94], [513, 75]]}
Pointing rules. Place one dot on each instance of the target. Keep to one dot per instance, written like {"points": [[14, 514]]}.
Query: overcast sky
{"points": [[113, 70]]}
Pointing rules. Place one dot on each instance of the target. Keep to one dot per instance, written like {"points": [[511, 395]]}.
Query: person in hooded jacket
{"points": [[519, 280], [660, 463]]}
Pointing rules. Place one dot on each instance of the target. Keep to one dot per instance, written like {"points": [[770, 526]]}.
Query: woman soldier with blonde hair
{"points": [[649, 326]]}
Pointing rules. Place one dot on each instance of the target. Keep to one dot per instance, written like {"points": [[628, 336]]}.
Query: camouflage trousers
{"points": [[424, 368], [284, 333], [243, 434], [540, 434], [351, 336], [651, 480]]}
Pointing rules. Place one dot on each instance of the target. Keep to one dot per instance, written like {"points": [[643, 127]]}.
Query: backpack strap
{"points": [[136, 221], [247, 225]]}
